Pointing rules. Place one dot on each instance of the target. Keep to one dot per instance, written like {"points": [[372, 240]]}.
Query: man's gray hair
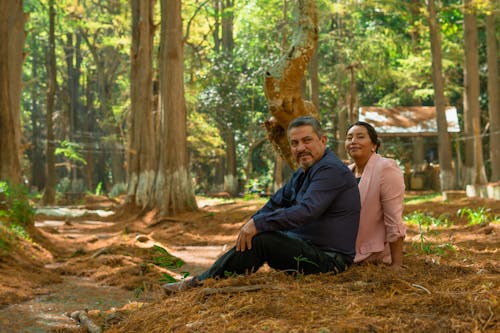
{"points": [[307, 120]]}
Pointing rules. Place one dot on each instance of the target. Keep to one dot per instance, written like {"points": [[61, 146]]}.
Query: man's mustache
{"points": [[305, 153]]}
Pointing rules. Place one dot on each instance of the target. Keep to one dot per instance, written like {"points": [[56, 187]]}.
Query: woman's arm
{"points": [[392, 195]]}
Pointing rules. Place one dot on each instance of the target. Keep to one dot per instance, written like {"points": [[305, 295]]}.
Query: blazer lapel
{"points": [[366, 178]]}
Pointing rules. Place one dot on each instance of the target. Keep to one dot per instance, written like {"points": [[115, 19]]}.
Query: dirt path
{"points": [[47, 312], [82, 234]]}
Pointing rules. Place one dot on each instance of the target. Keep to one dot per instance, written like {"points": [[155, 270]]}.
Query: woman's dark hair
{"points": [[371, 132]]}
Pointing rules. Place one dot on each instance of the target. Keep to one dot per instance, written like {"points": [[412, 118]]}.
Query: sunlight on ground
{"points": [[71, 212]]}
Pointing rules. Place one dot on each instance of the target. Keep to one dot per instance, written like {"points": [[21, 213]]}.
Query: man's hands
{"points": [[245, 236]]}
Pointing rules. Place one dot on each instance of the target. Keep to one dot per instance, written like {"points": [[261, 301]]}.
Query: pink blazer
{"points": [[381, 221]]}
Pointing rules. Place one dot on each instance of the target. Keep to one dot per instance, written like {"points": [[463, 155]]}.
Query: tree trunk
{"points": [[493, 96], [49, 195], [282, 82], [231, 175], [89, 126], [446, 174], [11, 58], [141, 152], [340, 131], [107, 63], [174, 191], [36, 150], [314, 79], [471, 95], [278, 173]]}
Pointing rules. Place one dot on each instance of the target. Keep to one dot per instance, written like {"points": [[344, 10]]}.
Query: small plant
{"points": [[429, 248], [300, 259], [70, 150], [15, 206], [427, 220], [167, 278], [166, 260], [475, 216], [98, 189]]}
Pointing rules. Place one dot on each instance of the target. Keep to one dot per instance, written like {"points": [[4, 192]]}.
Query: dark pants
{"points": [[281, 252]]}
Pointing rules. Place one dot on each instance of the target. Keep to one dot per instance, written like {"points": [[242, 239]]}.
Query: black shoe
{"points": [[183, 285]]}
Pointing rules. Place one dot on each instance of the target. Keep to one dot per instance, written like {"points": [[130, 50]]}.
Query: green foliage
{"points": [[166, 260], [15, 207], [70, 150], [98, 189], [167, 278], [300, 259], [476, 216], [427, 220], [16, 214], [427, 247], [416, 199]]}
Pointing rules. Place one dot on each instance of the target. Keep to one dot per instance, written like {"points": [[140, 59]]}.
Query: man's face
{"points": [[307, 147]]}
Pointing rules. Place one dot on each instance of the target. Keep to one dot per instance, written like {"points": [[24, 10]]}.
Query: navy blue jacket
{"points": [[321, 205]]}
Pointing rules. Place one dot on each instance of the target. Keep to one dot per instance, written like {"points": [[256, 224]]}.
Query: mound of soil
{"points": [[22, 272]]}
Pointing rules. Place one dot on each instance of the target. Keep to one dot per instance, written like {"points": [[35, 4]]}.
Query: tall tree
{"points": [[475, 172], [174, 191], [142, 162], [493, 93], [49, 195], [282, 85], [12, 38], [447, 178]]}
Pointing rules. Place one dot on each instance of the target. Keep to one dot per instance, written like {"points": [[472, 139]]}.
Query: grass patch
{"points": [[427, 220], [416, 199], [478, 215]]}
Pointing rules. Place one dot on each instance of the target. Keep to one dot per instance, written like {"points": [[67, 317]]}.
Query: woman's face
{"points": [[358, 143]]}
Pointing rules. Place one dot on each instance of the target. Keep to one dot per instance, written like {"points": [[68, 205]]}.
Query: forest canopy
{"points": [[79, 59]]}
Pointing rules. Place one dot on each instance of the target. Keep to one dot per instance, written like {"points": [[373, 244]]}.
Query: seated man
{"points": [[307, 226]]}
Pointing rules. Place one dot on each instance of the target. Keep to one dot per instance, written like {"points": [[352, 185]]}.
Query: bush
{"points": [[15, 208]]}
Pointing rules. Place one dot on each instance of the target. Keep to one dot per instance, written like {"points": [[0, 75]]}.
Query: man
{"points": [[308, 226]]}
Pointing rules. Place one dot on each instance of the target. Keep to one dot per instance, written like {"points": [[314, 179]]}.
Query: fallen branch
{"points": [[82, 318]]}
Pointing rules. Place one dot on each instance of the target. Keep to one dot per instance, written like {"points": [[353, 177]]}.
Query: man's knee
{"points": [[265, 238]]}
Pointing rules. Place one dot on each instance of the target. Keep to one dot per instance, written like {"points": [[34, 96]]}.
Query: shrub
{"points": [[15, 208]]}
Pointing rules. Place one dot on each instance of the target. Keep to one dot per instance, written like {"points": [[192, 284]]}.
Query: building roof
{"points": [[407, 120]]}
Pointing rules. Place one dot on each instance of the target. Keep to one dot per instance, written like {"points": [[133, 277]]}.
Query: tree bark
{"points": [[493, 96], [141, 152], [282, 82], [314, 80], [12, 38], [471, 97], [49, 195], [174, 191], [36, 154], [446, 174]]}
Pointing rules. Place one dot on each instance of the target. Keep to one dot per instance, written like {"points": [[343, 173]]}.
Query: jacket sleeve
{"points": [[392, 189], [324, 185]]}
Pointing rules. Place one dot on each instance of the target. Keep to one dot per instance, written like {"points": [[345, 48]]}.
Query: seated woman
{"points": [[381, 185]]}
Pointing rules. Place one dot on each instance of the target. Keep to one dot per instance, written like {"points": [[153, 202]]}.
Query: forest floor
{"points": [[103, 260]]}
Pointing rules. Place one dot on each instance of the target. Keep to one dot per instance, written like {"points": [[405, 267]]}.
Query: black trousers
{"points": [[281, 252]]}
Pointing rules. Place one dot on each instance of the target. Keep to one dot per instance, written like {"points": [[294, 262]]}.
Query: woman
{"points": [[381, 186]]}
